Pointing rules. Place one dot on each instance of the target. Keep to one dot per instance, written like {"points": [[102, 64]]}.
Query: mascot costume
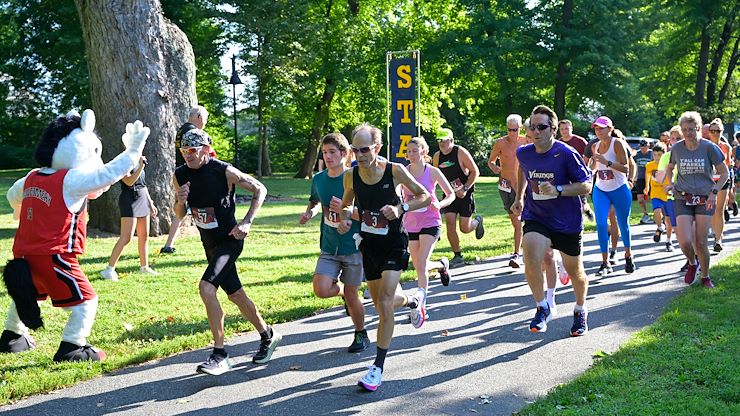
{"points": [[51, 204]]}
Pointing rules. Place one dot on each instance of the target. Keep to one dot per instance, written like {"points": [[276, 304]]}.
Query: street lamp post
{"points": [[234, 81]]}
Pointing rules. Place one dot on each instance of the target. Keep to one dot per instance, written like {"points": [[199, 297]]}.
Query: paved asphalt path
{"points": [[474, 355]]}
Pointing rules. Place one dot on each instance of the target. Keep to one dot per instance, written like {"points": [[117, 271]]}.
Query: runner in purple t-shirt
{"points": [[554, 175]]}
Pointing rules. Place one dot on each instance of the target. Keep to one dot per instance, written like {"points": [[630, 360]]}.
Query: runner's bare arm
{"points": [[310, 212], [181, 196], [348, 199], [435, 160], [495, 151], [238, 178], [446, 188], [467, 163], [401, 176]]}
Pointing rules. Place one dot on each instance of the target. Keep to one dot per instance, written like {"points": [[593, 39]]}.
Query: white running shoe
{"points": [[109, 273], [372, 380], [215, 365], [148, 270]]}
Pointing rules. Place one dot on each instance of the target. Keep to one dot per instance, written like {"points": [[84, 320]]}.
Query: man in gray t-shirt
{"points": [[695, 167]]}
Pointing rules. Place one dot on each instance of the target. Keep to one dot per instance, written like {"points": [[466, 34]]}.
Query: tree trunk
{"points": [[719, 53], [701, 65], [141, 67], [320, 120], [561, 77], [730, 69]]}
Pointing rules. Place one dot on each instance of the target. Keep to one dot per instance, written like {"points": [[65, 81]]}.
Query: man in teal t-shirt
{"points": [[340, 259]]}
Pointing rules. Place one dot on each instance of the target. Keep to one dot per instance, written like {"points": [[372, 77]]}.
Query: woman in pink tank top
{"points": [[424, 226]]}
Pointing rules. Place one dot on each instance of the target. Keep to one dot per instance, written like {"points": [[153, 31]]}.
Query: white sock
{"points": [[551, 296], [579, 308], [544, 303]]}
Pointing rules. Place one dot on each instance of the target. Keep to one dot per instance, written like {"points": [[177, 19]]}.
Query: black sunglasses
{"points": [[512, 129], [541, 127], [362, 150], [715, 131]]}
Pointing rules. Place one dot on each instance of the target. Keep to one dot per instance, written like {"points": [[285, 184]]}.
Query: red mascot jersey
{"points": [[46, 225]]}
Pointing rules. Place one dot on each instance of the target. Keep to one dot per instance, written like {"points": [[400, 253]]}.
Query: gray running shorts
{"points": [[346, 268]]}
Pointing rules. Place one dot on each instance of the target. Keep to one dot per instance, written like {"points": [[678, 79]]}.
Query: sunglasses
{"points": [[190, 150], [362, 150], [512, 129], [541, 127], [715, 131]]}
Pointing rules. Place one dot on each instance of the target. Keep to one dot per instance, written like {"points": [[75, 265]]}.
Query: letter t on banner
{"points": [[403, 101]]}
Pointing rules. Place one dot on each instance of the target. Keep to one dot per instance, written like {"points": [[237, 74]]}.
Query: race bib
{"points": [[374, 222], [534, 185], [456, 184], [204, 218], [331, 218], [605, 175], [504, 185], [694, 200]]}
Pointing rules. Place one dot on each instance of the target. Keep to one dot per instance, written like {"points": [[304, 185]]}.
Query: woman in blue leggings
{"points": [[611, 159]]}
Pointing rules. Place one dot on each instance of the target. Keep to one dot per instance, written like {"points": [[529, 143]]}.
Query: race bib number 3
{"points": [[693, 200], [374, 222], [331, 218], [504, 185], [204, 218], [605, 175]]}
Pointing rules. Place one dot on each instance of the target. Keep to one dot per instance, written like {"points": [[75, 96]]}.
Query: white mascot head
{"points": [[81, 148]]}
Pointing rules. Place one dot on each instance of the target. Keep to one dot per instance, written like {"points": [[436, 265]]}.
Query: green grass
{"points": [[686, 363], [142, 318]]}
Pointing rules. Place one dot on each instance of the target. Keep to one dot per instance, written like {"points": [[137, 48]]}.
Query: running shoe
{"points": [[612, 257], [717, 246], [360, 343], [684, 267], [656, 236], [707, 282], [645, 219], [109, 273], [553, 308], [541, 318], [479, 231], [267, 347], [148, 270], [589, 214], [366, 294], [444, 271], [669, 247], [690, 276], [629, 266], [515, 261], [604, 270], [166, 250], [12, 342], [457, 260], [418, 313], [215, 365], [372, 380], [580, 324], [734, 209], [562, 273], [727, 214]]}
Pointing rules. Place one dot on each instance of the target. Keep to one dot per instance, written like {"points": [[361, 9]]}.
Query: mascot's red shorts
{"points": [[60, 277]]}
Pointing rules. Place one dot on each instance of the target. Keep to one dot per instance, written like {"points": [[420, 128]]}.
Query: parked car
{"points": [[634, 142]]}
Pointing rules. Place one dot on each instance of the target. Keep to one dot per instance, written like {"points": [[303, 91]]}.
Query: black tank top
{"points": [[211, 202], [370, 199], [450, 166]]}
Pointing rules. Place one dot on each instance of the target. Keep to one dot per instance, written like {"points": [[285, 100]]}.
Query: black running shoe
{"points": [[717, 247], [267, 347], [479, 230], [734, 209], [166, 250], [684, 267], [71, 352], [629, 266], [360, 343], [12, 342], [580, 323], [612, 257], [444, 272]]}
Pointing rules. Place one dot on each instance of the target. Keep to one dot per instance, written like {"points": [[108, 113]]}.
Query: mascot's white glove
{"points": [[135, 137]]}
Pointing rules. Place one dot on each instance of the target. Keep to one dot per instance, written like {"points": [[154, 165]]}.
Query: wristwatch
{"points": [[405, 207], [559, 188], [465, 188], [715, 191], [608, 163]]}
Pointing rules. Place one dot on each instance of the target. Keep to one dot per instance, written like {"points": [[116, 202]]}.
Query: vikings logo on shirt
{"points": [[534, 179]]}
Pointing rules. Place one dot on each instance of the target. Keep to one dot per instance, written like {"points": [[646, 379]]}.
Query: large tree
{"points": [[141, 66]]}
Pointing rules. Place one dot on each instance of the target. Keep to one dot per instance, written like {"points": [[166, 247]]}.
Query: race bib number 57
{"points": [[204, 218]]}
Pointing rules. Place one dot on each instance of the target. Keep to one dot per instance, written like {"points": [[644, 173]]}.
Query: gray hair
{"points": [[375, 133], [514, 117], [690, 117]]}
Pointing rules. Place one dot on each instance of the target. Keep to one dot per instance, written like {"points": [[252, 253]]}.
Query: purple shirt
{"points": [[560, 165]]}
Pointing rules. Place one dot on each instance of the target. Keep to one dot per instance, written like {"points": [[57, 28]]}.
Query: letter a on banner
{"points": [[403, 101]]}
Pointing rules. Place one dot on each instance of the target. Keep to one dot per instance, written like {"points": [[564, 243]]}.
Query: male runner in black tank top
{"points": [[458, 166], [208, 187], [371, 185]]}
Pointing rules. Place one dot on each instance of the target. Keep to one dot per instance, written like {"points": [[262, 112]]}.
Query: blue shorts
{"points": [[667, 207]]}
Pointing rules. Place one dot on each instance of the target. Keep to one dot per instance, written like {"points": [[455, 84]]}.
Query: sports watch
{"points": [[559, 188], [405, 207]]}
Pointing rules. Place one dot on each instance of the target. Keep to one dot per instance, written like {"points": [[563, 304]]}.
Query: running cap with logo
{"points": [[444, 134], [195, 138], [602, 121], [643, 143]]}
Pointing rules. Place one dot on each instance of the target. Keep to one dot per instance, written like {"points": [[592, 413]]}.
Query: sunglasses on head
{"points": [[541, 127], [362, 150], [190, 150]]}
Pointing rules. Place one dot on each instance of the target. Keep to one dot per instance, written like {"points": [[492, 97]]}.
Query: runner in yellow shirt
{"points": [[659, 199]]}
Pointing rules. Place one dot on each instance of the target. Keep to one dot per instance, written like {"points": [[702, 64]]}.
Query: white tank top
{"points": [[608, 178]]}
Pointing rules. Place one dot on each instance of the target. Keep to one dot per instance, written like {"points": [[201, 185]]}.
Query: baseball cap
{"points": [[602, 121], [195, 138], [643, 143], [444, 134]]}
